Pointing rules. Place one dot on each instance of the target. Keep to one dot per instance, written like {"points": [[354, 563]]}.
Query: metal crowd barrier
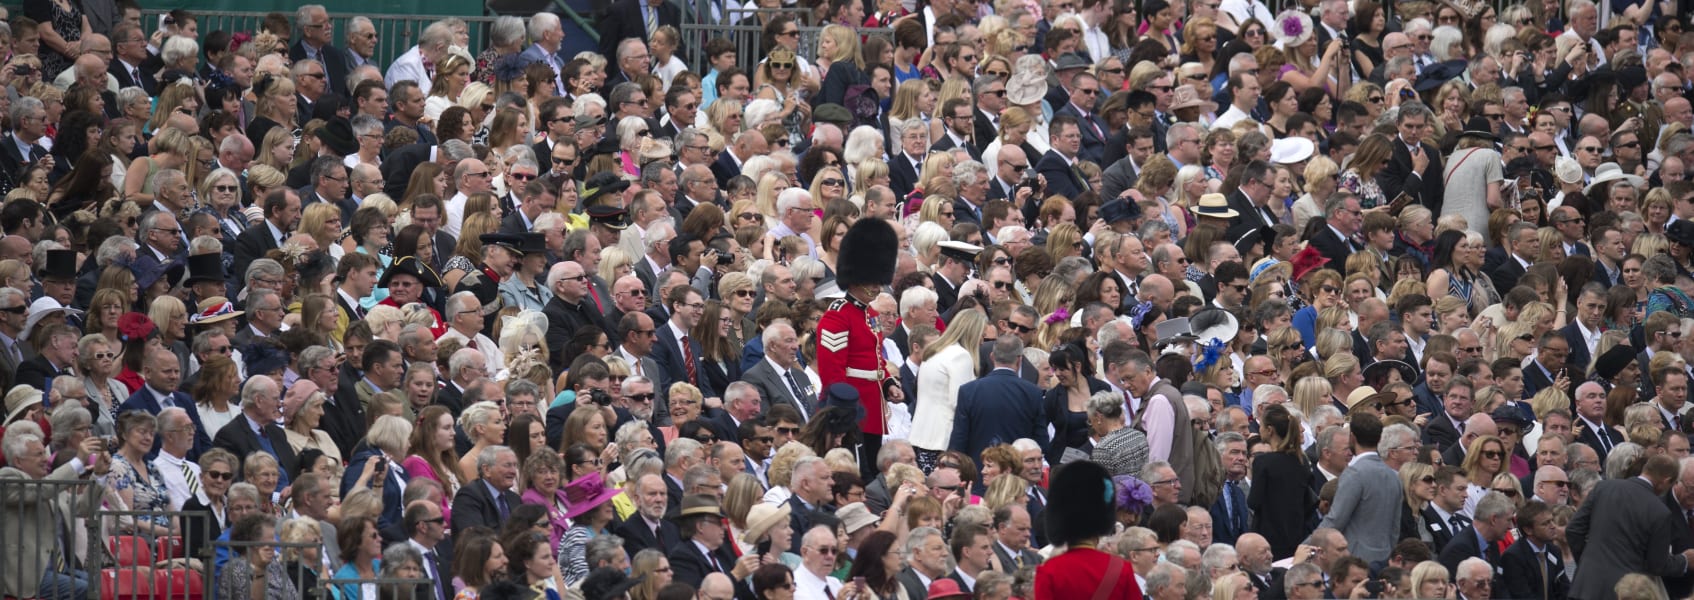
{"points": [[749, 42], [387, 588], [395, 34]]}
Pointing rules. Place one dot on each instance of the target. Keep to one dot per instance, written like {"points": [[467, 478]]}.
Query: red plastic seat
{"points": [[168, 547], [130, 551], [125, 584], [178, 584]]}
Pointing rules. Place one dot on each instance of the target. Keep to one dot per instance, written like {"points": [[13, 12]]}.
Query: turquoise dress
{"points": [[351, 591]]}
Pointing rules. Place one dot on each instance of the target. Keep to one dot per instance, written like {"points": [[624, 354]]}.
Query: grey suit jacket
{"points": [[1621, 528], [1006, 565], [1367, 508], [9, 365], [29, 521], [773, 390]]}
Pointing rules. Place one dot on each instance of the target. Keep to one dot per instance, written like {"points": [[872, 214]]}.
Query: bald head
{"points": [[717, 585], [1158, 289], [1480, 425]]}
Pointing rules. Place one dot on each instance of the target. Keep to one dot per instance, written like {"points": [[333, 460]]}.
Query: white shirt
{"points": [[808, 586], [1230, 117], [455, 214], [1241, 10], [1592, 338], [490, 350], [170, 469]]}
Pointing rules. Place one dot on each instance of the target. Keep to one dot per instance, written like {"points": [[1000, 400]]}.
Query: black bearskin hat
{"points": [[869, 252], [1080, 505]]}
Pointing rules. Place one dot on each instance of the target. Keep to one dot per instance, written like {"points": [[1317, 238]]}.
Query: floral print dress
{"points": [[149, 495], [1369, 193]]}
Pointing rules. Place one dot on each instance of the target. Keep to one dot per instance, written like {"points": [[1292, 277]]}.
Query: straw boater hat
{"points": [[1215, 206]]}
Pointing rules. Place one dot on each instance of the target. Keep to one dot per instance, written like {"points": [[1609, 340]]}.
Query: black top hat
{"points": [[338, 134], [610, 217], [410, 265], [61, 265], [204, 267], [504, 240], [530, 242]]}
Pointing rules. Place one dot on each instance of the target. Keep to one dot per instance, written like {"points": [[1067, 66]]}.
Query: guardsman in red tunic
{"points": [[849, 343]]}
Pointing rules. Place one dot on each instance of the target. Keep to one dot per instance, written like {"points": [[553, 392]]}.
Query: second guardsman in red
{"points": [[849, 343]]}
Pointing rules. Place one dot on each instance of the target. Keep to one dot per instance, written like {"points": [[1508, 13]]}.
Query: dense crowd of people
{"points": [[1020, 299]]}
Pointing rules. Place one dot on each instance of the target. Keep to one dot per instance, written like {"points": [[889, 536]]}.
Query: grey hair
{"points": [[680, 448], [162, 421], [129, 95], [1493, 504], [1299, 574], [643, 461], [242, 490], [1106, 404], [516, 386], [968, 172], [863, 142], [1618, 461], [1174, 134], [457, 150], [459, 301], [265, 267], [1268, 390], [365, 125], [462, 358], [489, 456], [538, 26], [1217, 556], [254, 386], [397, 555], [1397, 436], [439, 32], [917, 537], [626, 434], [113, 248], [586, 100], [177, 48], [312, 355], [1164, 574], [24, 106], [66, 419], [1223, 440], [1152, 228], [771, 332], [603, 550], [206, 244]]}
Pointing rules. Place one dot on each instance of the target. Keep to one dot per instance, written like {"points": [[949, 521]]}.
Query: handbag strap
{"points": [[1110, 582], [1449, 179]]}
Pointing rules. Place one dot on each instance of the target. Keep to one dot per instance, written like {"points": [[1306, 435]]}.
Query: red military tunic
{"points": [[850, 352], [436, 329]]}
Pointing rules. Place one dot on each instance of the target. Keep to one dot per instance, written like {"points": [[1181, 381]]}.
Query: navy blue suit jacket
{"points": [[1579, 355], [998, 408], [666, 354], [143, 399], [1061, 179], [391, 494], [1093, 145]]}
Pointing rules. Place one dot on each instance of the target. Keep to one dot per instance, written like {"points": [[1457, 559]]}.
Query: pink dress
{"points": [[416, 466]]}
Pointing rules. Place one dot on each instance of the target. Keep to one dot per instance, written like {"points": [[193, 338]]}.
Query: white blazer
{"points": [[939, 380]]}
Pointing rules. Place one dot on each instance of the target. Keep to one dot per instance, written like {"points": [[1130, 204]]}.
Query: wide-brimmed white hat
{"points": [[1291, 150], [1612, 172], [40, 309]]}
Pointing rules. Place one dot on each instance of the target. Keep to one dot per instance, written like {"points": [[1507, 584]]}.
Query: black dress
{"points": [[199, 531], [1282, 501], [1070, 429]]}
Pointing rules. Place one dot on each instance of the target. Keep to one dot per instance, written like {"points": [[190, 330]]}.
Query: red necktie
{"points": [[688, 360], [595, 294]]}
